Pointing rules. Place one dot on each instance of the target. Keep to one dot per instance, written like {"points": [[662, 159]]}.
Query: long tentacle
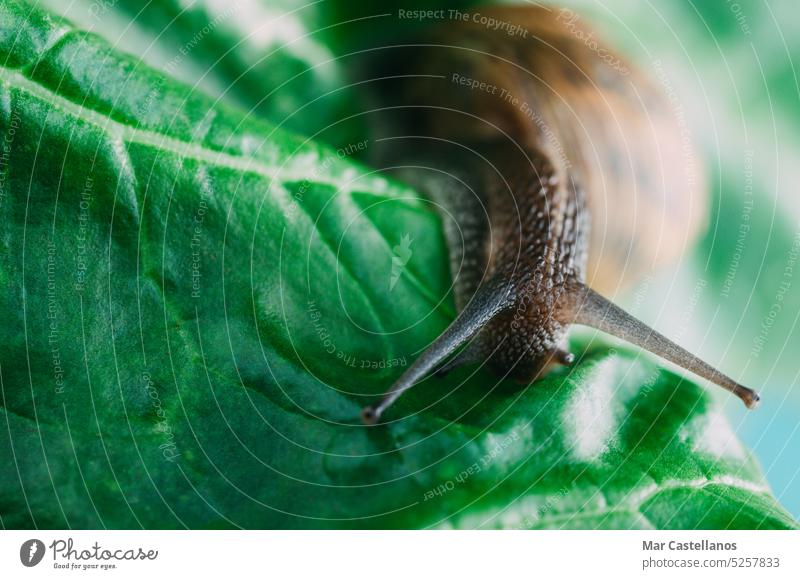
{"points": [[589, 308], [485, 305]]}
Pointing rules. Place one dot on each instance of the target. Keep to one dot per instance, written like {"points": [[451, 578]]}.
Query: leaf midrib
{"points": [[128, 133]]}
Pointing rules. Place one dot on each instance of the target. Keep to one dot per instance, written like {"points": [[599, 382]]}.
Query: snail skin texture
{"points": [[568, 175]]}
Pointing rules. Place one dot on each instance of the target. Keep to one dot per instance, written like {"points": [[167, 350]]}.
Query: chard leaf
{"points": [[196, 305]]}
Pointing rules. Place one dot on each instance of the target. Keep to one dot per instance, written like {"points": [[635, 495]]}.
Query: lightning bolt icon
{"points": [[34, 548]]}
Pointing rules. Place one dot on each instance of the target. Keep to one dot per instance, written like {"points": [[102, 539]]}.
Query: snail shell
{"points": [[599, 120]]}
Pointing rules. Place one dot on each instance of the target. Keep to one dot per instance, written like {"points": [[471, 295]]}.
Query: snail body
{"points": [[576, 180]]}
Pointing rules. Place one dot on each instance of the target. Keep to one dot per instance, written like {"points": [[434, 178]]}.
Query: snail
{"points": [[573, 176]]}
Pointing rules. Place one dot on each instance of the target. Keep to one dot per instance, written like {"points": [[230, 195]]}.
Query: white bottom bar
{"points": [[401, 554]]}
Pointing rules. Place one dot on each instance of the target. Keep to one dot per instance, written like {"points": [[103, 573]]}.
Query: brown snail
{"points": [[549, 128]]}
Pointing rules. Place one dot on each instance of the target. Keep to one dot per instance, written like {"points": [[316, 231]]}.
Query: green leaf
{"points": [[291, 62], [195, 307], [270, 58]]}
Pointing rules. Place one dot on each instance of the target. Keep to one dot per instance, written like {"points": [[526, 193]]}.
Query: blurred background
{"points": [[734, 300]]}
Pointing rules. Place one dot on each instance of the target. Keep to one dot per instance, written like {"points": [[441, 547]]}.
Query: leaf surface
{"points": [[196, 305]]}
